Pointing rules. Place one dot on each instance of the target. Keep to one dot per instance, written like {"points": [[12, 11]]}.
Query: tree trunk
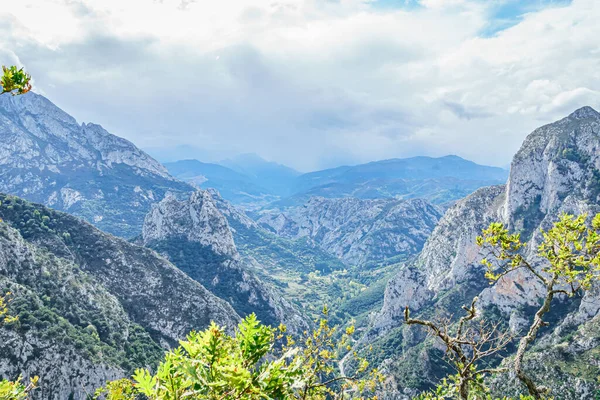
{"points": [[530, 337]]}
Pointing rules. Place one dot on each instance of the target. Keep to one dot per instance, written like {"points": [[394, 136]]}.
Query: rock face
{"points": [[195, 220], [358, 231], [556, 170], [91, 307], [196, 237], [259, 246], [47, 157]]}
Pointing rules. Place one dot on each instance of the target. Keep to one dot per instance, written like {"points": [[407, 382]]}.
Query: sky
{"points": [[311, 83]]}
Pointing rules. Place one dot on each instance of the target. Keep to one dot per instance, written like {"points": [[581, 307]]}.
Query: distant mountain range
{"points": [[253, 182], [235, 186], [273, 176]]}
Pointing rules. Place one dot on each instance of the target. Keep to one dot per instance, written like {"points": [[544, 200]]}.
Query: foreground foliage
{"points": [[467, 344], [252, 364], [570, 251], [15, 80]]}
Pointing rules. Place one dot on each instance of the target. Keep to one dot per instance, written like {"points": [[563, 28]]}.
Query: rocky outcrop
{"points": [[91, 307], [47, 157], [359, 232], [197, 220], [556, 170], [196, 237]]}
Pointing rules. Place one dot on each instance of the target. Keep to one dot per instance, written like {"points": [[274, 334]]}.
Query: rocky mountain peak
{"points": [[555, 161], [584, 113], [196, 219], [47, 157], [557, 170], [34, 104], [41, 134], [195, 236]]}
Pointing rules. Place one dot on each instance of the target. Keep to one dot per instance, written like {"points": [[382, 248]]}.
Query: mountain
{"points": [[253, 183], [111, 183], [305, 273], [357, 231], [556, 170], [439, 180], [91, 307], [195, 236], [47, 157], [269, 251], [236, 187], [270, 175]]}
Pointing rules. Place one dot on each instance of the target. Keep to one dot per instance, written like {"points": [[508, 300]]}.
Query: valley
{"points": [[112, 258]]}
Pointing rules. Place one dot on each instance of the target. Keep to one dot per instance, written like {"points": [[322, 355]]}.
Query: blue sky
{"points": [[506, 14], [502, 14], [312, 83]]}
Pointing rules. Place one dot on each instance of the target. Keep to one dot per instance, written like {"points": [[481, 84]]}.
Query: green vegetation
{"points": [[217, 273], [14, 80], [12, 390], [257, 363], [51, 291], [251, 365], [297, 255], [16, 390], [351, 291], [571, 254]]}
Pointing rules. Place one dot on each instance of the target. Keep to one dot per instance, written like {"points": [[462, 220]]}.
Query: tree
{"points": [[15, 80], [250, 365], [570, 263], [467, 343]]}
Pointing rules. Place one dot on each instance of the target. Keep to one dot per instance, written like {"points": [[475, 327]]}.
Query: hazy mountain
{"points": [[252, 182], [439, 180], [168, 154], [91, 307], [555, 171], [270, 175], [235, 186]]}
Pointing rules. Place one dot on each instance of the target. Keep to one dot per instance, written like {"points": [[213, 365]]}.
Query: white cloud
{"points": [[310, 83]]}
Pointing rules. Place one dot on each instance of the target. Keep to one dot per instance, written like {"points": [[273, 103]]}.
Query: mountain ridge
{"points": [[91, 306], [49, 158], [195, 236], [438, 179], [555, 171], [358, 231]]}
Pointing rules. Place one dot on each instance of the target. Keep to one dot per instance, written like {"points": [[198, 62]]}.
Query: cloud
{"points": [[461, 111], [311, 83]]}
